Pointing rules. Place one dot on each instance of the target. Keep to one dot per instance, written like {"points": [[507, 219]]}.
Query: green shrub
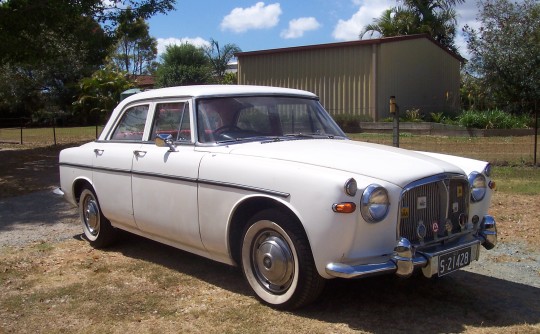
{"points": [[492, 119], [412, 115], [437, 117]]}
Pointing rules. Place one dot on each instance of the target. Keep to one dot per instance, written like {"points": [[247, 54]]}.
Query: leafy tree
{"points": [[436, 18], [230, 78], [135, 49], [48, 45], [25, 24], [100, 93], [220, 57], [506, 53], [183, 65], [49, 80]]}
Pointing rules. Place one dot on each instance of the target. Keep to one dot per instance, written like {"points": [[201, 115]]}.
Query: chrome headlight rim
{"points": [[478, 184], [375, 203]]}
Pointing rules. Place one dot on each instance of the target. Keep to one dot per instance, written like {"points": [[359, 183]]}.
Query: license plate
{"points": [[452, 261]]}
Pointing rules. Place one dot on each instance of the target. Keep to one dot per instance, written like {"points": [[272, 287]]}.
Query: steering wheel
{"points": [[226, 128]]}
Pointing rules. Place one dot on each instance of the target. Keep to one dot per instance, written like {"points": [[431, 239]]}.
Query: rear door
{"points": [[112, 163]]}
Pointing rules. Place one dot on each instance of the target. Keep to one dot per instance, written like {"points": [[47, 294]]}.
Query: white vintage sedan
{"points": [[264, 179]]}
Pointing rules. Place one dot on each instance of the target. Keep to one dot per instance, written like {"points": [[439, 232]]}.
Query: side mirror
{"points": [[164, 140]]}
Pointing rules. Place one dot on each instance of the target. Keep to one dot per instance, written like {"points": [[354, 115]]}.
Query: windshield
{"points": [[259, 117]]}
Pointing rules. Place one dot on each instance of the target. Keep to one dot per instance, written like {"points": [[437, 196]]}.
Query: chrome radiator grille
{"points": [[433, 210]]}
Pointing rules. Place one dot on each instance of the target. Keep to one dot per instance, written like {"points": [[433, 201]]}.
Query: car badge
{"points": [[435, 227], [448, 226], [421, 202], [463, 220], [460, 191], [421, 230], [404, 213]]}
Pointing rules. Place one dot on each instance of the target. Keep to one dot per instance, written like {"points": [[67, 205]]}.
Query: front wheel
{"points": [[97, 229], [277, 261]]}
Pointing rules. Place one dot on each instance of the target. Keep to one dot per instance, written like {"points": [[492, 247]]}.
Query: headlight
{"points": [[374, 203], [478, 186]]}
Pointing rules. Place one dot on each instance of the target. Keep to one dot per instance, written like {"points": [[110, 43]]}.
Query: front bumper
{"points": [[406, 258]]}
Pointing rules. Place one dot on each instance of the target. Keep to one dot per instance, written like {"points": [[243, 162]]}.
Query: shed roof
{"points": [[349, 44]]}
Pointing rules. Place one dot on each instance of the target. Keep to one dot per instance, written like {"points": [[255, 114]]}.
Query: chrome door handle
{"points": [[98, 151], [139, 154]]}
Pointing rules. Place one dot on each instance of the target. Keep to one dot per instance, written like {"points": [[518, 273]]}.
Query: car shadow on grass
{"points": [[448, 304], [384, 304], [215, 273]]}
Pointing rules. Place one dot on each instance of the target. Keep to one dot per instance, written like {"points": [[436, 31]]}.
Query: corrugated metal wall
{"points": [[340, 76], [420, 75], [415, 70]]}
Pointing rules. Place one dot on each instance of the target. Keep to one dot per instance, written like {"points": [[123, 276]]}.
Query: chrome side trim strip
{"points": [[243, 187], [185, 179], [165, 176]]}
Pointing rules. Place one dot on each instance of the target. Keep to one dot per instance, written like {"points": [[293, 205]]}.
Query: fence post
{"points": [[535, 132], [394, 110], [54, 130], [22, 124], [96, 131]]}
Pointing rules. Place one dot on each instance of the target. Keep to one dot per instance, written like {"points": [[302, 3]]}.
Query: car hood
{"points": [[394, 165]]}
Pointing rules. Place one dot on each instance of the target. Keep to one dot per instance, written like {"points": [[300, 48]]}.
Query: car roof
{"points": [[214, 91]]}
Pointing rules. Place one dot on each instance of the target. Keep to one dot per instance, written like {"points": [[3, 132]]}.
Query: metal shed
{"points": [[358, 77]]}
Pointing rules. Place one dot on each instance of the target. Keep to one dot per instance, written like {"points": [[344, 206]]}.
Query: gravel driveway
{"points": [[36, 217]]}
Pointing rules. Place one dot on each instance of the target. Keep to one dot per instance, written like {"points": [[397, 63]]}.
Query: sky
{"points": [[255, 25]]}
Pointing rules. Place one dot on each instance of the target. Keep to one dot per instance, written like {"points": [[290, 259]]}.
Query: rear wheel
{"points": [[97, 229], [277, 261]]}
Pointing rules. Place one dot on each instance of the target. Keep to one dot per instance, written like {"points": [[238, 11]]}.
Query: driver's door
{"points": [[164, 182]]}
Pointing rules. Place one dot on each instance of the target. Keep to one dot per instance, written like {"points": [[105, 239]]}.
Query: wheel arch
{"points": [[78, 186], [247, 209]]}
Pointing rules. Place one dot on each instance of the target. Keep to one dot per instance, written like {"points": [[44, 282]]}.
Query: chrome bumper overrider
{"points": [[406, 258]]}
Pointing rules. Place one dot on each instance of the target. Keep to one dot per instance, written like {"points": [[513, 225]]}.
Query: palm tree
{"points": [[439, 16], [220, 57], [395, 21], [434, 17]]}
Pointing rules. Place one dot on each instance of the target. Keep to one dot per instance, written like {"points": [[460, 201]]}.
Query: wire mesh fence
{"points": [[507, 150], [511, 150], [49, 135]]}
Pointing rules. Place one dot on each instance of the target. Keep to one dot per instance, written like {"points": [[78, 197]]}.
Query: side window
{"points": [[131, 126], [172, 119]]}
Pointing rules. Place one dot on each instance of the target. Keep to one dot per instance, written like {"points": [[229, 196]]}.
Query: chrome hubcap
{"points": [[91, 215], [273, 262]]}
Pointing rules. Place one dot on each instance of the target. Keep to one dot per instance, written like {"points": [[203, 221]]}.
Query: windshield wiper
{"points": [[309, 136], [241, 139]]}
